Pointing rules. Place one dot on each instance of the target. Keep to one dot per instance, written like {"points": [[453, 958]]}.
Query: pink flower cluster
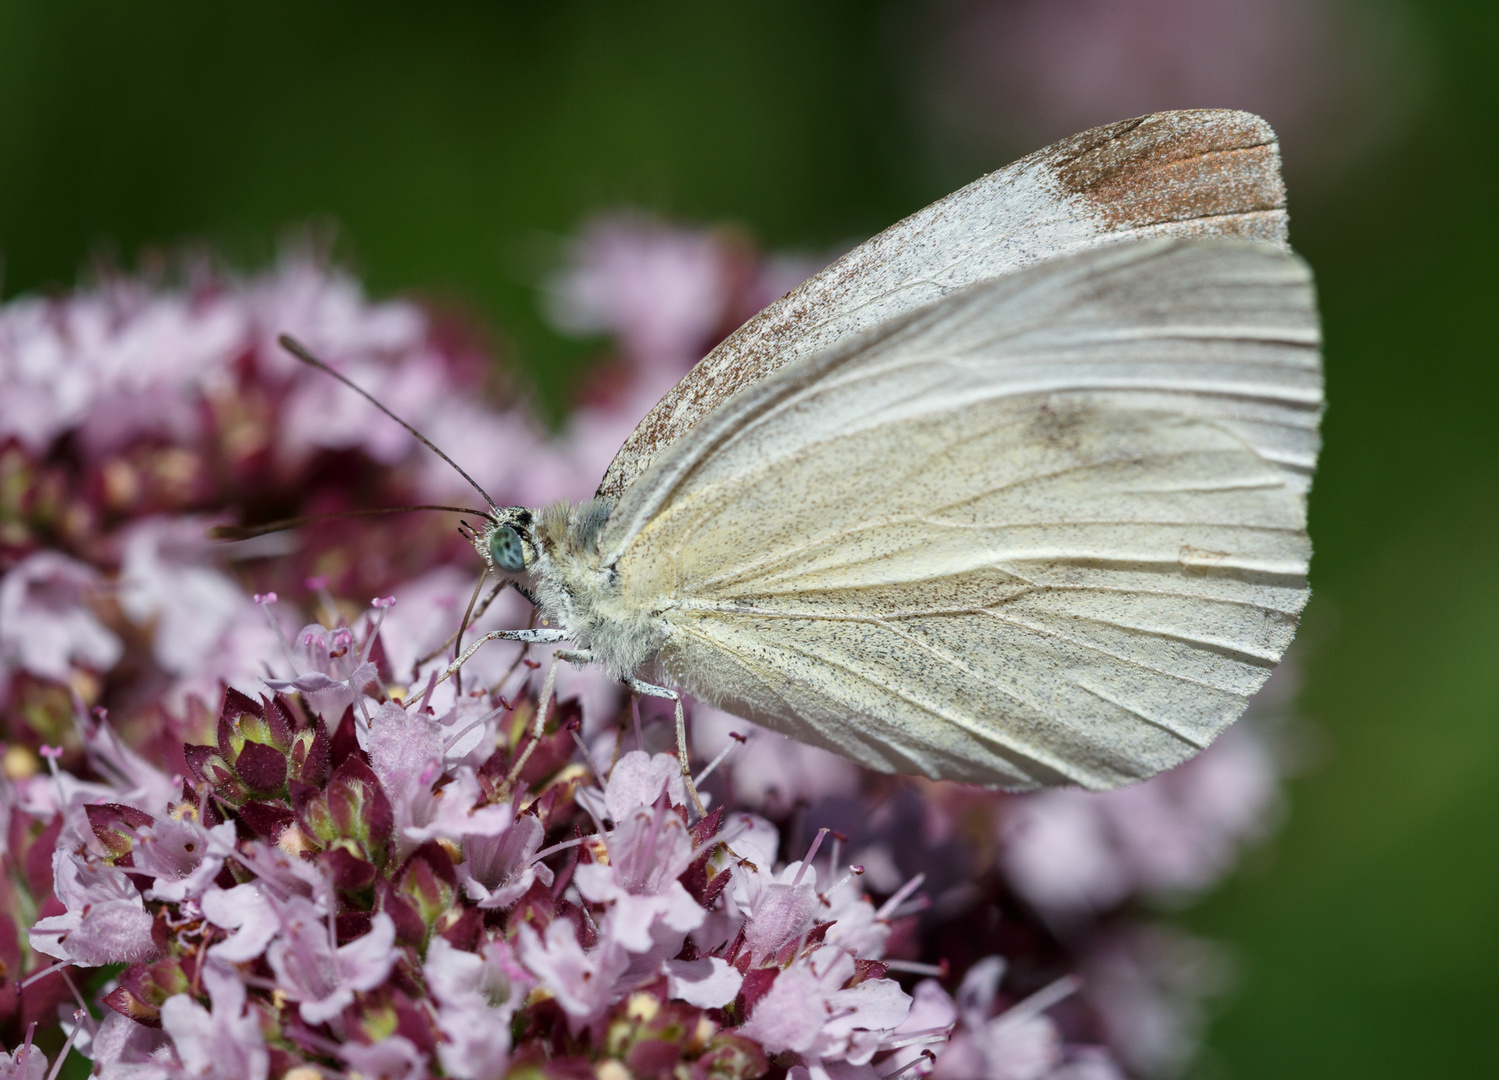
{"points": [[374, 894], [345, 867], [377, 898]]}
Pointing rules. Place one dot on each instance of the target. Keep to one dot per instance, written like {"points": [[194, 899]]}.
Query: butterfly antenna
{"points": [[297, 349], [248, 532]]}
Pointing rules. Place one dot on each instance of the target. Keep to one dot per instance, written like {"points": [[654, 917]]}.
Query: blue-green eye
{"points": [[506, 550]]}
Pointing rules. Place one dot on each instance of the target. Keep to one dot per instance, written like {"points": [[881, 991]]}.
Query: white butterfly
{"points": [[1014, 493]]}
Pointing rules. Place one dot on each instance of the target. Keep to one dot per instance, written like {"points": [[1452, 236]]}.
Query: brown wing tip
{"points": [[1170, 167]]}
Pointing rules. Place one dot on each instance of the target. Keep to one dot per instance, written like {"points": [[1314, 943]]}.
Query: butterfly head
{"points": [[507, 543]]}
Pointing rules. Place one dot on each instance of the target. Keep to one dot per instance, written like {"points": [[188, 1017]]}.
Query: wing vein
{"points": [[1091, 647], [981, 731], [1170, 729]]}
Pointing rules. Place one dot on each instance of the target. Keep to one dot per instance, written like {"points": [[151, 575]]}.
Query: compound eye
{"points": [[506, 550]]}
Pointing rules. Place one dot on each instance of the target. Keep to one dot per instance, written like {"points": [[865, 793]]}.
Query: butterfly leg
{"points": [[478, 613], [675, 698], [543, 706], [539, 635]]}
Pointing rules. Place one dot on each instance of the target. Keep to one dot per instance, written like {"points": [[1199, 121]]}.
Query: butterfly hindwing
{"points": [[1049, 529]]}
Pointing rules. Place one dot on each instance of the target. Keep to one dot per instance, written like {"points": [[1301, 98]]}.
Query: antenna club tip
{"points": [[297, 349]]}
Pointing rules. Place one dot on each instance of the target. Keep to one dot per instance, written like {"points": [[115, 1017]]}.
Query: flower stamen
{"points": [[737, 740]]}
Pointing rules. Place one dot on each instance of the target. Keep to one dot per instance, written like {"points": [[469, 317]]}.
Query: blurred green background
{"points": [[453, 145]]}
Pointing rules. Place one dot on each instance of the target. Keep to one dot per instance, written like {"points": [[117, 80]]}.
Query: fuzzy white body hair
{"points": [[574, 591]]}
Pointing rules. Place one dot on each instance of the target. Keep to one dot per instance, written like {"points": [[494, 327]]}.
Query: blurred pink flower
{"points": [[929, 1024], [181, 855], [660, 291], [666, 294], [1017, 1043], [771, 771], [322, 414], [499, 867], [133, 780], [222, 1044], [1150, 984], [1334, 78], [46, 626], [124, 1050], [25, 1063], [327, 310], [1020, 1046], [247, 912], [205, 629], [106, 921], [115, 361], [312, 969], [477, 993], [394, 1057], [583, 981], [812, 1010], [1073, 853]]}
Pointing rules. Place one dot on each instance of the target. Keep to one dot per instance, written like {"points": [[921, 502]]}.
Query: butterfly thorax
{"points": [[576, 593]]}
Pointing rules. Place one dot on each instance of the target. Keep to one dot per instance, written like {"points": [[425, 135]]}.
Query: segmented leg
{"points": [[540, 635], [477, 615], [668, 694], [543, 706]]}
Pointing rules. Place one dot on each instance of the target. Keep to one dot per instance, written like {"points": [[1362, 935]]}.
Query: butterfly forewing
{"points": [[1050, 529], [1192, 173]]}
